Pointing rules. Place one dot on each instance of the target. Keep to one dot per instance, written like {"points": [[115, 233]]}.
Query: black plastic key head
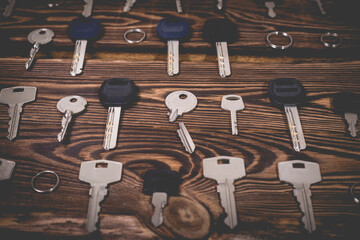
{"points": [[346, 102], [84, 28], [173, 28], [220, 30], [283, 91], [117, 92], [159, 180]]}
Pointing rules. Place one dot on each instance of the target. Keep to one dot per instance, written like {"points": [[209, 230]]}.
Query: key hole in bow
{"points": [[42, 32], [223, 161], [101, 165], [73, 100], [298, 165], [182, 96], [18, 90], [232, 98]]}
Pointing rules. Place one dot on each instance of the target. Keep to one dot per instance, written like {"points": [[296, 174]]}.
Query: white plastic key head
{"points": [[232, 103], [6, 169], [180, 102], [299, 172], [224, 168]]}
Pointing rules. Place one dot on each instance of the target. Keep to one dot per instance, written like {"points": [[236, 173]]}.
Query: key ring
{"points": [[135, 30], [46, 190], [282, 47], [353, 195], [331, 34]]}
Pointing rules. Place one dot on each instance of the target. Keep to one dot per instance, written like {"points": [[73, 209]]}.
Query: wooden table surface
{"points": [[266, 207]]}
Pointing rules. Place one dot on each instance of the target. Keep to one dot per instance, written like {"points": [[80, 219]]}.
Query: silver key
{"points": [[351, 119], [159, 201], [87, 8], [173, 57], [6, 169], [128, 5], [15, 97], [270, 5], [223, 59], [9, 8], [185, 138], [38, 37], [78, 58], [69, 106], [178, 6], [180, 102], [225, 170], [98, 173], [233, 103], [301, 175], [220, 4], [318, 2]]}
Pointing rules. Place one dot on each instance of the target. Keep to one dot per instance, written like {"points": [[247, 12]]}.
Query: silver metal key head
{"points": [[180, 102], [15, 97], [233, 103], [99, 174], [70, 106], [6, 169], [38, 37], [301, 175]]}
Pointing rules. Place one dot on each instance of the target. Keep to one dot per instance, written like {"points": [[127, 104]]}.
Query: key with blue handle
{"points": [[173, 29], [81, 30]]}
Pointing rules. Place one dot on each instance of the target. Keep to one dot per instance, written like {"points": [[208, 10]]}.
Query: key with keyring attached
{"points": [[233, 103], [225, 170], [301, 175], [115, 94], [16, 97], [160, 183], [290, 93], [99, 174], [69, 106], [220, 32], [38, 37], [180, 102], [82, 30], [173, 30]]}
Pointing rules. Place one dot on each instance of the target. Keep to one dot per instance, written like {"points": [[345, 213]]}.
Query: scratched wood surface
{"points": [[265, 206]]}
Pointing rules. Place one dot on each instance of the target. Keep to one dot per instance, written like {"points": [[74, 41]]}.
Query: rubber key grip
{"points": [[220, 30], [84, 28], [286, 91], [173, 28]]}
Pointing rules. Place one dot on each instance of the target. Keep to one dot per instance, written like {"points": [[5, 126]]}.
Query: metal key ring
{"points": [[46, 190], [268, 41], [331, 34], [134, 30], [353, 195]]}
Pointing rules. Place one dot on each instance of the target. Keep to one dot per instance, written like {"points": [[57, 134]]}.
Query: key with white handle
{"points": [[225, 170], [233, 103], [301, 175], [98, 173]]}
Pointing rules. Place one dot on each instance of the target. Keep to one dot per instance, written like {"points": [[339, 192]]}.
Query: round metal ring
{"points": [[353, 195], [331, 34], [135, 30], [46, 190], [284, 34]]}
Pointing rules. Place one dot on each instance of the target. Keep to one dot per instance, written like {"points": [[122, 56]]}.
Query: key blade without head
{"points": [[303, 195], [97, 194], [296, 132], [100, 171], [87, 8], [14, 114], [185, 138], [223, 168], [128, 5], [227, 199], [223, 59]]}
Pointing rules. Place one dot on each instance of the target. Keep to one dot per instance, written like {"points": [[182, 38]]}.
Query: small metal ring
{"points": [[135, 30], [282, 47], [355, 197], [331, 34], [46, 190]]}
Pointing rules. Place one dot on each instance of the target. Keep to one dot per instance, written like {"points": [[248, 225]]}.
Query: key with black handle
{"points": [[289, 92]]}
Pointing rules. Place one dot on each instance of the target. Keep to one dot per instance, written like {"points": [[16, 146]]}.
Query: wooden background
{"points": [[265, 206]]}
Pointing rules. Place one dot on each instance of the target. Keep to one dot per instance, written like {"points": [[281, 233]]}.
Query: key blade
{"points": [[87, 8], [173, 57], [97, 194], [100, 171], [318, 2], [17, 95], [9, 8], [299, 171], [219, 4], [303, 195], [112, 128], [78, 58], [159, 201], [178, 6], [64, 126], [6, 168], [295, 127], [227, 198], [223, 59], [34, 50], [223, 168], [14, 114], [185, 138], [128, 5]]}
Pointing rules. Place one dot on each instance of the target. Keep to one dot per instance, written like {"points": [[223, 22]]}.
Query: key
{"points": [[233, 103], [348, 103], [82, 30], [178, 6], [70, 105], [16, 97], [270, 5], [318, 2], [185, 138], [173, 30], [180, 102], [289, 92], [6, 168], [114, 94], [220, 4], [128, 5], [160, 183], [87, 8], [99, 174], [225, 170], [301, 175], [38, 37], [9, 8], [220, 32]]}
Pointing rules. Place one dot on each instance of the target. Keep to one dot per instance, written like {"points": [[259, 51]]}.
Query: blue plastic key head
{"points": [[220, 30], [117, 92], [173, 28], [84, 28]]}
